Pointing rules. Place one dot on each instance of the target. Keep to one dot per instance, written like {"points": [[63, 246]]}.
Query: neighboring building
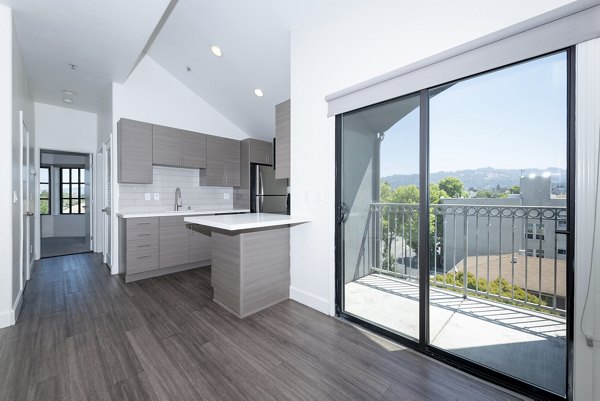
{"points": [[513, 231]]}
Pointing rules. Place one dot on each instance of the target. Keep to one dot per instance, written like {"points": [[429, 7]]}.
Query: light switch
{"points": [[147, 196], [226, 195], [156, 196], [15, 197]]}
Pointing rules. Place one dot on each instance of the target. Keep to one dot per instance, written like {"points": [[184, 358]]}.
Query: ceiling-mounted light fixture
{"points": [[188, 69], [68, 92], [67, 100], [72, 66], [216, 50], [258, 92]]}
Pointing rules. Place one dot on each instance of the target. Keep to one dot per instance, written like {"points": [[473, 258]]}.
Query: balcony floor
{"points": [[523, 343]]}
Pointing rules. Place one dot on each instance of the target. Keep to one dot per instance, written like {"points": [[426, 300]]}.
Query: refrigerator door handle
{"points": [[261, 189]]}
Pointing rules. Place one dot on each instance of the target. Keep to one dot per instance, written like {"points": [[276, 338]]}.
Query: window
{"points": [[44, 190], [535, 231], [538, 253], [72, 183]]}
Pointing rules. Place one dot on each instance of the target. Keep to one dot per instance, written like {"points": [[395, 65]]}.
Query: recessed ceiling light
{"points": [[258, 92], [216, 50], [67, 100], [68, 92]]}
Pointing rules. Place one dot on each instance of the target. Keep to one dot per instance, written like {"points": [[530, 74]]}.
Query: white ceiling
{"points": [[102, 38], [255, 39]]}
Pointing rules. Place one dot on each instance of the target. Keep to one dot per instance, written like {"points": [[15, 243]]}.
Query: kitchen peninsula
{"points": [[250, 259]]}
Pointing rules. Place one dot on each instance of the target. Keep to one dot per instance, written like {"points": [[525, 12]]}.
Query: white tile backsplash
{"points": [[165, 181]]}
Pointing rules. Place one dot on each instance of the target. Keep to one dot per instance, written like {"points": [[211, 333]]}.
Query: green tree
{"points": [[486, 194], [515, 189], [453, 186]]}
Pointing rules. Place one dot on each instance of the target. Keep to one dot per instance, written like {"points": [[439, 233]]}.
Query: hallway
{"points": [[85, 335]]}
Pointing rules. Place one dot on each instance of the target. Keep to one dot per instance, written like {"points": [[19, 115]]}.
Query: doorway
{"points": [[65, 199], [454, 214]]}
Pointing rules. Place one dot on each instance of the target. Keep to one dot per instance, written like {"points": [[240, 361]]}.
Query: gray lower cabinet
{"points": [[139, 244], [174, 242], [222, 162], [178, 148], [153, 246], [134, 152], [283, 140]]}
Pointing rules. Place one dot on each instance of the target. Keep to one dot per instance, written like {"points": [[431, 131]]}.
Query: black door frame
{"points": [[423, 345]]}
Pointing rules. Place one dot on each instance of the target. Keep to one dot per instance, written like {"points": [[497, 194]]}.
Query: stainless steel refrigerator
{"points": [[267, 194]]}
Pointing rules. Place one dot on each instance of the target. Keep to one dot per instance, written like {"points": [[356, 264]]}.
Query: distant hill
{"points": [[481, 178]]}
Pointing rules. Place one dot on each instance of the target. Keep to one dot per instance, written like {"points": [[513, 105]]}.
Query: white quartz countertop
{"points": [[167, 213], [235, 222]]}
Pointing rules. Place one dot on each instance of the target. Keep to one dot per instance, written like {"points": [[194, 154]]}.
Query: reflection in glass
{"points": [[381, 229]]}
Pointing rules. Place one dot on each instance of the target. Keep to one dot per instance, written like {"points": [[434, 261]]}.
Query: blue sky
{"points": [[512, 118]]}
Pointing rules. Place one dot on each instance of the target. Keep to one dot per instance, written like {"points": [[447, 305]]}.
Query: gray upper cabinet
{"points": [[178, 148], [222, 162], [261, 152], [166, 146], [283, 140], [193, 149], [134, 152]]}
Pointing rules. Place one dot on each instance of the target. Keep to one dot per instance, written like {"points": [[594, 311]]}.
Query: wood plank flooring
{"points": [[85, 335]]}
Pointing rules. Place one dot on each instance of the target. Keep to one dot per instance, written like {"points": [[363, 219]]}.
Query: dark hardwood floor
{"points": [[85, 335]]}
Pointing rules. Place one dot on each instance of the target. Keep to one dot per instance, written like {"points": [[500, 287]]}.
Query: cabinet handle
{"points": [[180, 160], [143, 257], [143, 246], [143, 235], [140, 224]]}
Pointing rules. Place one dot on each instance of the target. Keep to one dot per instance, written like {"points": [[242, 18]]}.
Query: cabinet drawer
{"points": [[142, 234], [171, 221], [142, 261], [142, 222], [147, 243]]}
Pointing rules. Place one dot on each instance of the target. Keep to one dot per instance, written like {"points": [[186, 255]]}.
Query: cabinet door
{"points": [[134, 152], [214, 174], [260, 152], [232, 162], [166, 146], [282, 143], [174, 242], [193, 149], [200, 250]]}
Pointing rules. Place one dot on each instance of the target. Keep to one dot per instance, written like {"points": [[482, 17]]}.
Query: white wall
{"points": [[105, 127], [6, 204], [153, 95], [61, 128], [342, 46]]}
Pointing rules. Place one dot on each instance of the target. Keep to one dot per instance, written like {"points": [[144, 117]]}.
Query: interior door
{"points": [[87, 187], [26, 204], [106, 201]]}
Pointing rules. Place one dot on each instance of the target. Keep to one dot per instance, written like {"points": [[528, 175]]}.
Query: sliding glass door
{"points": [[490, 293]]}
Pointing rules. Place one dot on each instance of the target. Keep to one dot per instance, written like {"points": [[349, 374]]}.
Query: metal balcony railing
{"points": [[515, 254]]}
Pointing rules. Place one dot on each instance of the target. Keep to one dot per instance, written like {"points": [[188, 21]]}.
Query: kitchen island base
{"points": [[250, 269]]}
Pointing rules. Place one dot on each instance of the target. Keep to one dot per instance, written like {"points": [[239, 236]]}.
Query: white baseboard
{"points": [[17, 306], [7, 318], [312, 301]]}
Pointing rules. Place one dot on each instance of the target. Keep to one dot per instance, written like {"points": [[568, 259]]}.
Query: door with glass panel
{"points": [[493, 294], [380, 219], [498, 153]]}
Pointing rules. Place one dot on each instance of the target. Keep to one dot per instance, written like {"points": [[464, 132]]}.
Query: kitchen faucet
{"points": [[178, 202]]}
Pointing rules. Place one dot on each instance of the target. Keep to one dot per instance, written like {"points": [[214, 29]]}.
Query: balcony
{"points": [[497, 283]]}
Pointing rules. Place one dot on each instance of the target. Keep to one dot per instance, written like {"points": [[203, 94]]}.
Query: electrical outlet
{"points": [[226, 196], [147, 196], [156, 196], [589, 341]]}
